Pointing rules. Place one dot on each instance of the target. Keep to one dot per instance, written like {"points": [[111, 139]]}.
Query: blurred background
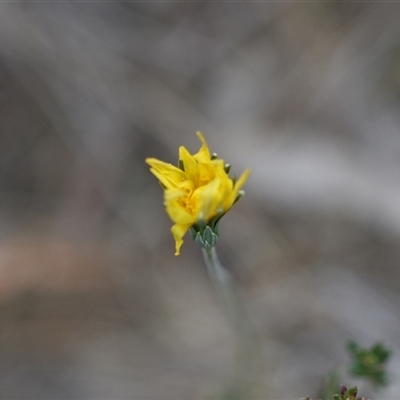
{"points": [[93, 302]]}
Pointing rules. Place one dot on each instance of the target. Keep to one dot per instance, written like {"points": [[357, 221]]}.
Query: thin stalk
{"points": [[248, 352]]}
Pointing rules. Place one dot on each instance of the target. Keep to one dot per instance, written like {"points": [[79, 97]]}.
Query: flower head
{"points": [[198, 192]]}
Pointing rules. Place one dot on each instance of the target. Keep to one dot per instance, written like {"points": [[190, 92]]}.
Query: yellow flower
{"points": [[198, 191]]}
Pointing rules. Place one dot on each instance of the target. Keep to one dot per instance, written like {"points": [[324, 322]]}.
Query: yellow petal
{"points": [[172, 194], [203, 155], [239, 183], [190, 165], [186, 185], [206, 172], [209, 198], [178, 232], [242, 180], [179, 212], [169, 175]]}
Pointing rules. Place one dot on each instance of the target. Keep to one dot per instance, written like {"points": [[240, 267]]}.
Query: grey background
{"points": [[93, 303]]}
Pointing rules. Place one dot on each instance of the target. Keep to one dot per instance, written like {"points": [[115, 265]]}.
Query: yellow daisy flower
{"points": [[198, 192]]}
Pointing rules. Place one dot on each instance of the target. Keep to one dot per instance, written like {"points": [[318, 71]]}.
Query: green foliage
{"points": [[345, 394], [369, 363]]}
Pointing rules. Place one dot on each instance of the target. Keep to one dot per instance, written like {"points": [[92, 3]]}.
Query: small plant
{"points": [[345, 394], [369, 363]]}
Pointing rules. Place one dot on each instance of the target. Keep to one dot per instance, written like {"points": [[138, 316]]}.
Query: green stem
{"points": [[248, 348], [227, 290]]}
